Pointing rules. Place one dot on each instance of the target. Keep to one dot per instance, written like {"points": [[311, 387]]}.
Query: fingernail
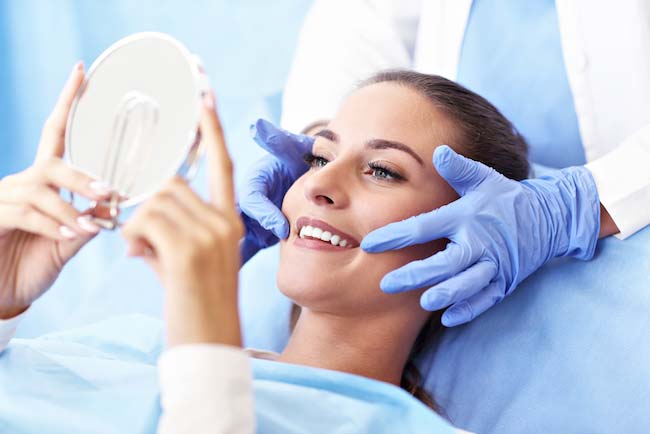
{"points": [[78, 66], [67, 232], [208, 100], [85, 222], [100, 188]]}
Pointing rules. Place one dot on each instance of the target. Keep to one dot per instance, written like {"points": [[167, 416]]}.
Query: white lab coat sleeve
{"points": [[623, 181], [342, 42], [206, 389], [8, 329]]}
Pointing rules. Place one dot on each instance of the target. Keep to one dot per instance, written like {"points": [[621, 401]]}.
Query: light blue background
{"points": [[246, 47]]}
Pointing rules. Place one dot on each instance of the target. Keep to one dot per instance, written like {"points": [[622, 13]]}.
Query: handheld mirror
{"points": [[134, 122]]}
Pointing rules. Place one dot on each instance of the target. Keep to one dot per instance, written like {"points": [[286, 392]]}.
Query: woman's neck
{"points": [[376, 346]]}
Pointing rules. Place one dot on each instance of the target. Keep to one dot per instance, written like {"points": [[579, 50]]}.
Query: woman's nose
{"points": [[326, 187]]}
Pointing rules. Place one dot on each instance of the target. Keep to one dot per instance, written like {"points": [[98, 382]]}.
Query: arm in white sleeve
{"points": [[342, 42], [206, 389], [623, 182], [8, 329]]}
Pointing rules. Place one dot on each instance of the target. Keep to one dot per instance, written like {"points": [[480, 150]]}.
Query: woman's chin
{"points": [[308, 282]]}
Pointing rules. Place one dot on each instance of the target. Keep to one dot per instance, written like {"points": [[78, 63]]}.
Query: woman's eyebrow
{"points": [[384, 144], [373, 144]]}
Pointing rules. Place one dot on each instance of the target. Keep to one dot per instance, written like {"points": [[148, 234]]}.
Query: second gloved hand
{"points": [[500, 232], [267, 183]]}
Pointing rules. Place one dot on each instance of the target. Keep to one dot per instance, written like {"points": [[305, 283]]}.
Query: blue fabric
{"points": [[102, 379], [512, 56], [566, 353]]}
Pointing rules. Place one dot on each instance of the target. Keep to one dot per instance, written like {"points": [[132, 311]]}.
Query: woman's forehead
{"points": [[392, 111]]}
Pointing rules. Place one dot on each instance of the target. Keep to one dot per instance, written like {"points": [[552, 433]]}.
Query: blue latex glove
{"points": [[500, 232], [267, 183]]}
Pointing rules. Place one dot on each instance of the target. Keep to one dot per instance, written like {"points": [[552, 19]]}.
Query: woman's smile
{"points": [[316, 234]]}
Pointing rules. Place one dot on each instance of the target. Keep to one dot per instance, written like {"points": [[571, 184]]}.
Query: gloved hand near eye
{"points": [[267, 183], [500, 232]]}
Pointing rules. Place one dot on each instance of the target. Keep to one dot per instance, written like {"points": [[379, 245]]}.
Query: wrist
{"points": [[582, 210], [9, 312], [194, 322]]}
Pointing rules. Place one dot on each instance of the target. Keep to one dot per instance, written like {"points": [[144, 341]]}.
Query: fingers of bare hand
{"points": [[59, 174], [42, 198], [150, 226], [52, 138], [26, 218], [51, 204], [220, 168], [226, 223]]}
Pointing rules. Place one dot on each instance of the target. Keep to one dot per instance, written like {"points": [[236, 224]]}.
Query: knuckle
{"points": [[206, 239], [52, 126], [25, 211]]}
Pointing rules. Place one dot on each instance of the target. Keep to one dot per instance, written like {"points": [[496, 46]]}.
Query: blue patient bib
{"points": [[102, 379], [512, 56]]}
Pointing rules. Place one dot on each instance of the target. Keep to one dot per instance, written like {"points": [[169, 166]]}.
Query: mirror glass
{"points": [[135, 120]]}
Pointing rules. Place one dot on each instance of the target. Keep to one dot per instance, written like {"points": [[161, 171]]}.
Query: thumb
{"points": [[53, 137], [462, 173], [69, 248], [288, 147]]}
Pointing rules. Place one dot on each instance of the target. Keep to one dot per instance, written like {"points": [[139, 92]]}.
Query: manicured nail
{"points": [[100, 188], [85, 222], [67, 232]]}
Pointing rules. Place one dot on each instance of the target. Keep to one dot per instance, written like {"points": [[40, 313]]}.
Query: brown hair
{"points": [[484, 135]]}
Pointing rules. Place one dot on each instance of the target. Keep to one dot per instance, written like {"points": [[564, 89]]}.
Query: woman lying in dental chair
{"points": [[370, 166]]}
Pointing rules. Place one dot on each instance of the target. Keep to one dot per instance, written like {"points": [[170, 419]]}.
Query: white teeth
{"points": [[312, 232]]}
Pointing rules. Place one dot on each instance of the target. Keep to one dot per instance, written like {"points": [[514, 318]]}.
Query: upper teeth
{"points": [[312, 232]]}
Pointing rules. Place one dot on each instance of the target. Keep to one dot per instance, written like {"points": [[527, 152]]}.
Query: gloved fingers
{"points": [[465, 311], [429, 271], [462, 173], [459, 287], [418, 229], [259, 208], [288, 147]]}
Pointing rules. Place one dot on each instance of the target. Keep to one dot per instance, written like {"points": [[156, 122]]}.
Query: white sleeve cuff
{"points": [[8, 330], [206, 388], [623, 181]]}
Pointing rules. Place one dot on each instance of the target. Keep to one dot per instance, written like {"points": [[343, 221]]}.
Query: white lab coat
{"points": [[606, 47]]}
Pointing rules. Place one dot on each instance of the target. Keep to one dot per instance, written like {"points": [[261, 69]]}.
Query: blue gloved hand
{"points": [[267, 183], [500, 232]]}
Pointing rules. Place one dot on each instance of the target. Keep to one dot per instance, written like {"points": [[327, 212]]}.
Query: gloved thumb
{"points": [[462, 173], [288, 147]]}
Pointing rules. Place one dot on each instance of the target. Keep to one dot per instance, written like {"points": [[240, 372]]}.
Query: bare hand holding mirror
{"points": [[134, 122]]}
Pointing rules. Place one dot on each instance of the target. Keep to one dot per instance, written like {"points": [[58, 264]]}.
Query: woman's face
{"points": [[372, 167]]}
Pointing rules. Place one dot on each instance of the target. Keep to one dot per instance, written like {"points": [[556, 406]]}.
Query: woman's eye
{"points": [[380, 172], [315, 160]]}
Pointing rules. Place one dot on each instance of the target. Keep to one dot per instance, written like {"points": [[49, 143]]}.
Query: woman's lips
{"points": [[317, 234]]}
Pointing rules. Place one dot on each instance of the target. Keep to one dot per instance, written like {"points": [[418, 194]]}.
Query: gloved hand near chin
{"points": [[267, 183], [500, 232]]}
